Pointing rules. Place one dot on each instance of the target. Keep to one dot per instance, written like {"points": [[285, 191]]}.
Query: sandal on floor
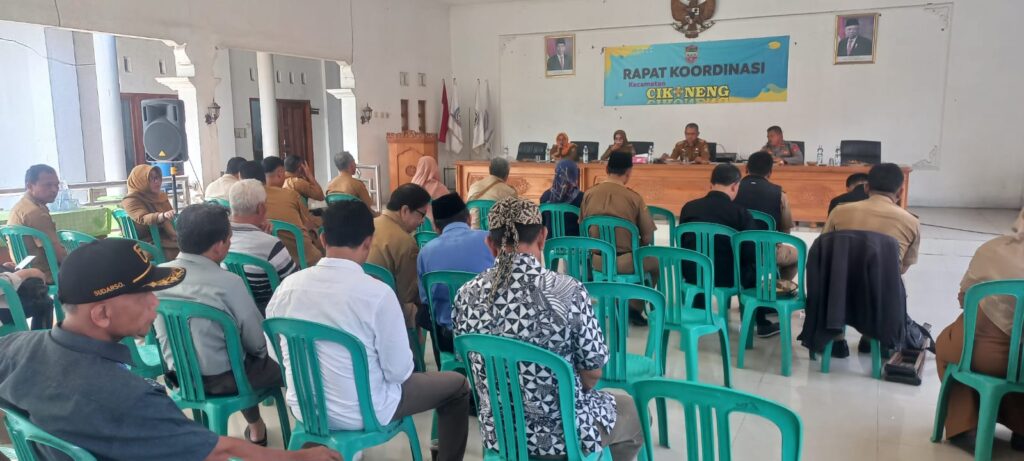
{"points": [[261, 443]]}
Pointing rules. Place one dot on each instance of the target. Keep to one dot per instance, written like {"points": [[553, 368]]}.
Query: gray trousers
{"points": [[448, 393], [626, 438]]}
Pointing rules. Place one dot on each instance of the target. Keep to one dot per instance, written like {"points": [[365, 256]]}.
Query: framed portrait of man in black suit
{"points": [[559, 55], [856, 38]]}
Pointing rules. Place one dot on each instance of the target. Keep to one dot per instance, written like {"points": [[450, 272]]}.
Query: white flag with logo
{"points": [[455, 120], [478, 122], [485, 117]]}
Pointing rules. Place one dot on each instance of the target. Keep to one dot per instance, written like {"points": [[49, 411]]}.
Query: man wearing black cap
{"points": [[613, 198], [74, 381], [853, 44], [458, 248]]}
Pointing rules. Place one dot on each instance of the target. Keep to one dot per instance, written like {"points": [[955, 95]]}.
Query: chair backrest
{"points": [[609, 228], [453, 281], [557, 216], [1007, 288], [24, 435], [612, 312], [133, 349], [765, 218], [592, 154], [277, 226], [18, 322], [219, 201], [15, 237], [713, 151], [237, 262], [176, 315], [427, 226], [714, 405], [867, 152], [680, 293], [800, 144], [666, 214], [340, 197], [502, 360], [424, 237], [642, 147], [483, 208], [532, 151], [704, 240], [303, 362], [71, 240], [578, 255], [155, 255], [129, 231], [766, 268], [382, 274]]}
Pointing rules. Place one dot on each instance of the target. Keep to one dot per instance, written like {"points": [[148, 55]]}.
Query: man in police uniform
{"points": [[74, 381], [692, 149], [613, 198], [785, 152]]}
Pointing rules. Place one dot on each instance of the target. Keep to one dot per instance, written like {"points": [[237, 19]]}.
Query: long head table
{"points": [[809, 188]]}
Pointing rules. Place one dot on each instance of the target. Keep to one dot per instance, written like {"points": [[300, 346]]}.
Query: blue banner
{"points": [[746, 70]]}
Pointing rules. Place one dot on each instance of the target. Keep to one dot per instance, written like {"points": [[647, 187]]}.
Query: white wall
{"points": [[960, 101], [144, 57]]}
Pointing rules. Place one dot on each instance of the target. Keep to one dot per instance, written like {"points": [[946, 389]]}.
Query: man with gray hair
{"points": [[249, 223], [345, 183], [493, 187]]}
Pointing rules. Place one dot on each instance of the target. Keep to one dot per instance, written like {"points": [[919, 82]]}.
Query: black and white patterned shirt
{"points": [[551, 311]]}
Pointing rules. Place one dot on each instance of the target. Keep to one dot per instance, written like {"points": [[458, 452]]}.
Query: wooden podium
{"points": [[404, 152]]}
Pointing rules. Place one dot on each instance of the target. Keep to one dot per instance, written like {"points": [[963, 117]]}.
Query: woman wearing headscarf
{"points": [[620, 143], [998, 259], [563, 149], [564, 189], [428, 176], [148, 205]]}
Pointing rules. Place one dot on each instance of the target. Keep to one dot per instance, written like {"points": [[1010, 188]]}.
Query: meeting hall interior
{"points": [[517, 230]]}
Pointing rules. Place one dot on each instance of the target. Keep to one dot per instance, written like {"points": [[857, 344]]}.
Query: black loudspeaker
{"points": [[163, 130]]}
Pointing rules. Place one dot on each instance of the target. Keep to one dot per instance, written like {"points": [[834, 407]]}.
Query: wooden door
{"points": [[295, 129], [131, 113]]}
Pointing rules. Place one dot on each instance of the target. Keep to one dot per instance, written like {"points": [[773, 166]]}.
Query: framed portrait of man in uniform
{"points": [[559, 55], [856, 38]]}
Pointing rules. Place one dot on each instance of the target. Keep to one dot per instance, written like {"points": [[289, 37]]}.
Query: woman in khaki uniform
{"points": [[147, 205]]}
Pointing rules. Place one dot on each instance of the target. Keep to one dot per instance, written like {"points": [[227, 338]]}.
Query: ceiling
{"points": [[476, 2]]}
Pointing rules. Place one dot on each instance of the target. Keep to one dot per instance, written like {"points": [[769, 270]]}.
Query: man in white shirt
{"points": [[248, 200], [220, 187], [369, 310]]}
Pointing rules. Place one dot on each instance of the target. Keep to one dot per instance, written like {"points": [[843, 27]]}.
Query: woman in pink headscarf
{"points": [[428, 176]]}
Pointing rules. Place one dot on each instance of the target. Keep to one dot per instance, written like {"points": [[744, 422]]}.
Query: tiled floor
{"points": [[847, 415]]}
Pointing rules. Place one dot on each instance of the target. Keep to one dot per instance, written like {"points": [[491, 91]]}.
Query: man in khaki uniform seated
{"points": [[298, 178], [493, 187], [692, 149], [344, 183], [41, 188], [285, 205], [395, 249], [613, 198]]}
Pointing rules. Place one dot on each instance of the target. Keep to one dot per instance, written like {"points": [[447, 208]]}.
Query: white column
{"points": [[268, 104], [108, 90]]}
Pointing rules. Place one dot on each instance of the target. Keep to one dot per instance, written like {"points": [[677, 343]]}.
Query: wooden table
{"points": [[809, 188]]}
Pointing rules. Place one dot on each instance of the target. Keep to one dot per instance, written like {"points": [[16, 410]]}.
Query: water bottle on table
{"points": [[586, 154], [821, 155]]}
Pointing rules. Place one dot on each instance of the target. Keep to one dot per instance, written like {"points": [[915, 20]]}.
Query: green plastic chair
{"points": [[453, 280], [876, 357], [157, 256], [219, 201], [424, 237], [763, 294], [71, 240], [191, 393], [15, 237], [666, 214], [148, 361], [384, 275], [606, 229], [990, 389], [427, 226], [680, 315], [18, 321], [129, 231], [307, 380], [483, 209], [765, 218], [24, 434], [277, 226], [704, 239], [557, 214], [335, 197], [712, 406], [502, 359], [577, 254], [611, 307], [237, 262]]}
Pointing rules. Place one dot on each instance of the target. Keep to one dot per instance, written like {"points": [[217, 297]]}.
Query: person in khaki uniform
{"points": [[41, 187], [493, 187], [285, 205], [613, 198], [692, 149], [344, 183], [148, 205], [395, 249], [298, 178], [882, 213]]}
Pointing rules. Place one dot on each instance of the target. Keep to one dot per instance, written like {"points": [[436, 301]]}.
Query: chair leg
{"points": [[692, 356], [199, 417], [941, 406], [724, 302], [786, 338], [989, 408], [662, 424], [876, 359], [826, 357], [414, 440], [664, 349], [433, 426], [723, 337], [219, 422], [282, 415], [746, 338]]}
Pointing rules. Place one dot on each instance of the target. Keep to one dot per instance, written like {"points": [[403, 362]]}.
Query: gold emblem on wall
{"points": [[693, 16]]}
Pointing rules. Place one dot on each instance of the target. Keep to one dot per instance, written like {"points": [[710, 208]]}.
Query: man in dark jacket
{"points": [[758, 193], [855, 191]]}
